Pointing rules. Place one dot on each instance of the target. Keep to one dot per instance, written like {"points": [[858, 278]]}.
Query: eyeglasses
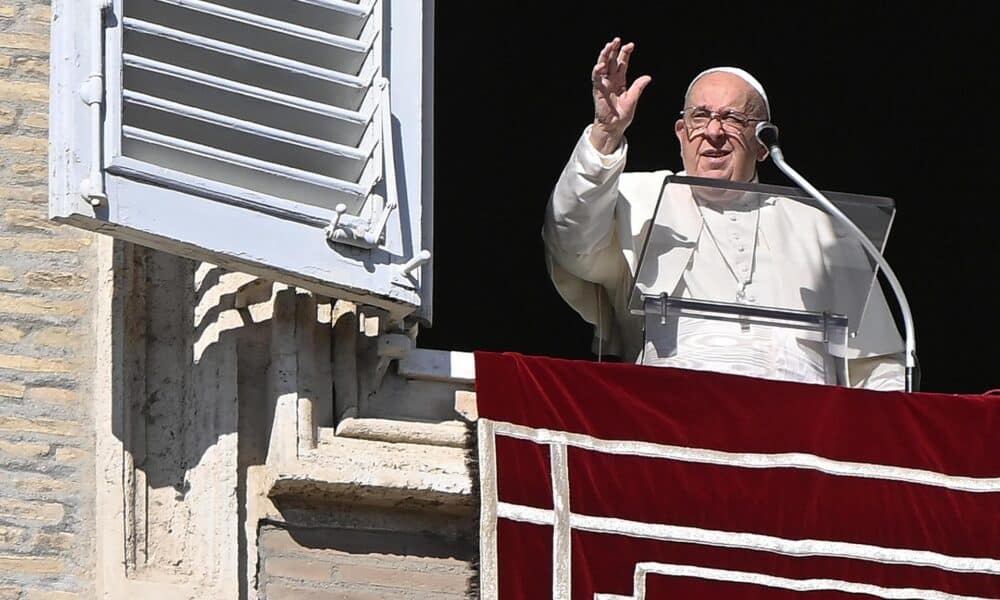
{"points": [[697, 118]]}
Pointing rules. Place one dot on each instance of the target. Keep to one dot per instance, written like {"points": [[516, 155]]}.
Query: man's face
{"points": [[720, 150]]}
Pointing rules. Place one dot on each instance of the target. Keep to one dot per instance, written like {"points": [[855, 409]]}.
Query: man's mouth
{"points": [[715, 153]]}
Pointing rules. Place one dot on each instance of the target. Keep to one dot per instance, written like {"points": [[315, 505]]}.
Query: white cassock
{"points": [[791, 254]]}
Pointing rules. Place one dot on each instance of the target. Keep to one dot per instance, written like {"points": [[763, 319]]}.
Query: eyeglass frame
{"points": [[713, 115]]}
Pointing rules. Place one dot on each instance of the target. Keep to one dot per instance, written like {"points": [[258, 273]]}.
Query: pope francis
{"points": [[769, 252]]}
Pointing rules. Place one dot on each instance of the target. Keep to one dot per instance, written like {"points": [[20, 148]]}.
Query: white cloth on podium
{"points": [[596, 221]]}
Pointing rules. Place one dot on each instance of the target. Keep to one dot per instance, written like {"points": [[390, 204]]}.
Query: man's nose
{"points": [[714, 130]]}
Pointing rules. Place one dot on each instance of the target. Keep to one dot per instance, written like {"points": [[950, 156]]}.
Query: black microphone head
{"points": [[767, 134]]}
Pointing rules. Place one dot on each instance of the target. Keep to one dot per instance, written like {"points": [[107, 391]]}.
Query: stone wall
{"points": [[169, 429], [46, 283], [222, 473], [366, 555]]}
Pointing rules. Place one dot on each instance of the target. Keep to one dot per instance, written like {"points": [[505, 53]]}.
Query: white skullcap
{"points": [[747, 77]]}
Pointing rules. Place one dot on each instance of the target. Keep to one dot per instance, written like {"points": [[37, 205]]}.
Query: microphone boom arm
{"points": [[910, 341]]}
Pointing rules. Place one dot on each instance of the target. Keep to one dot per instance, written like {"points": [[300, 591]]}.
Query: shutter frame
{"points": [[226, 224]]}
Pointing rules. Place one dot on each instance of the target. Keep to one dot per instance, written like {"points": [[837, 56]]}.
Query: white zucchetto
{"points": [[747, 77]]}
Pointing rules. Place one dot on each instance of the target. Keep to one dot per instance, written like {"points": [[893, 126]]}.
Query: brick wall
{"points": [[46, 281], [48, 277]]}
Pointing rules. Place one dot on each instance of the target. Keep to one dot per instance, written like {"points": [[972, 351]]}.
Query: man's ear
{"points": [[681, 131], [762, 152]]}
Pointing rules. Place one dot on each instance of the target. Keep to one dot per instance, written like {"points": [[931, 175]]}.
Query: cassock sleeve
{"points": [[876, 354], [884, 373], [583, 256]]}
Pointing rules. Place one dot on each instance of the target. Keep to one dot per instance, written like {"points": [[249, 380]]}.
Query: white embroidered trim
{"points": [[799, 585], [564, 521], [489, 590], [525, 514], [794, 460], [562, 552], [755, 541]]}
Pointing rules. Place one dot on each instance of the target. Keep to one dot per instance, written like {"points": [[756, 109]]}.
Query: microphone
{"points": [[767, 135]]}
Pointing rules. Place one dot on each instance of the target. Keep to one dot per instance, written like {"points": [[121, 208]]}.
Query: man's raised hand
{"points": [[614, 100]]}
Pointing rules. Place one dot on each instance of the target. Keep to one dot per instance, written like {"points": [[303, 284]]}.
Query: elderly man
{"points": [[598, 217]]}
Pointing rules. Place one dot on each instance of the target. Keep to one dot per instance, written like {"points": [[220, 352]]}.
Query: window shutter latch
{"points": [[405, 276], [347, 229], [92, 94], [355, 231]]}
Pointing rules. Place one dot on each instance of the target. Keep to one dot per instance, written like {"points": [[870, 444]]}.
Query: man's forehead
{"points": [[720, 86], [730, 86]]}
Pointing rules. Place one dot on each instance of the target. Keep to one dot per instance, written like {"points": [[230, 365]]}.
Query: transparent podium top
{"points": [[761, 245]]}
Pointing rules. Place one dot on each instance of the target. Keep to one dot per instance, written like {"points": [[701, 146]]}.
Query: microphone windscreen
{"points": [[767, 134]]}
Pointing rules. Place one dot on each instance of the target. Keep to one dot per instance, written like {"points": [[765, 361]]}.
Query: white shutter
{"points": [[263, 135]]}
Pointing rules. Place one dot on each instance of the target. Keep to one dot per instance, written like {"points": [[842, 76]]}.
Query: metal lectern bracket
{"points": [[832, 328]]}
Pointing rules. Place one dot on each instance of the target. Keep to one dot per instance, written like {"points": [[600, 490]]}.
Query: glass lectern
{"points": [[776, 288]]}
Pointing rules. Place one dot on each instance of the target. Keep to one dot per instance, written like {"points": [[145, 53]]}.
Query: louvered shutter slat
{"points": [[241, 160], [267, 35], [361, 117], [232, 131], [334, 16], [264, 22], [248, 127], [206, 100], [269, 60]]}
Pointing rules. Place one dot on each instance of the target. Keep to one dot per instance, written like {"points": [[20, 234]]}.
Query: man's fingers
{"points": [[624, 55], [612, 62], [605, 53], [597, 76], [613, 56], [638, 86]]}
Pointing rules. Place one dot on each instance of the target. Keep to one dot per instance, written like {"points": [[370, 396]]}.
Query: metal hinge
{"points": [[92, 94], [355, 231], [364, 233]]}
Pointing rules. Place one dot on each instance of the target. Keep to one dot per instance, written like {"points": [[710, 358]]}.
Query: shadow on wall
{"points": [[202, 358]]}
